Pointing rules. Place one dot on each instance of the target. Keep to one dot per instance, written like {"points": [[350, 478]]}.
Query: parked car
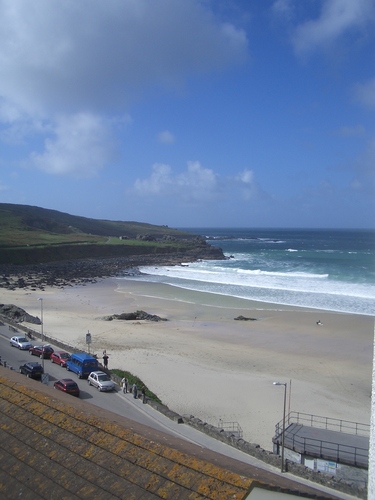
{"points": [[21, 343], [60, 358], [44, 351], [67, 385], [32, 370], [101, 381]]}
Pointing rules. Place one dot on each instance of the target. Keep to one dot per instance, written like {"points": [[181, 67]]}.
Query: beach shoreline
{"points": [[203, 362]]}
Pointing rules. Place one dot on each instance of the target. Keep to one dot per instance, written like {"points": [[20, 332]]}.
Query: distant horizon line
{"points": [[317, 228], [284, 228]]}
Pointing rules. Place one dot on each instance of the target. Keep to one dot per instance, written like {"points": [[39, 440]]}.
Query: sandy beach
{"points": [[202, 362]]}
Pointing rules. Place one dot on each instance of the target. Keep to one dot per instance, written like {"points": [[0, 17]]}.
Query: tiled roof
{"points": [[51, 449]]}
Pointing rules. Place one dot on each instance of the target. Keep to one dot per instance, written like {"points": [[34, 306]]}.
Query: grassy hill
{"points": [[22, 225], [31, 234]]}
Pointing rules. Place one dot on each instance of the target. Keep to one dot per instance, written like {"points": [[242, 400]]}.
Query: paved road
{"points": [[134, 409], [16, 358]]}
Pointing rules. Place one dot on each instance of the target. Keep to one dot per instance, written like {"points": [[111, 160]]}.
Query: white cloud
{"points": [[366, 93], [247, 176], [247, 184], [65, 57], [201, 181], [196, 184], [159, 182], [337, 18], [81, 146], [19, 131], [166, 137], [92, 58], [283, 8]]}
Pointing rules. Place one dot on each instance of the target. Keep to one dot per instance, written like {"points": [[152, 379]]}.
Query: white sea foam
{"points": [[293, 288], [290, 274], [317, 269]]}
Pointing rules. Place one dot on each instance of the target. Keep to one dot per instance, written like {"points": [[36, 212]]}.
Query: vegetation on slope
{"points": [[22, 225], [32, 235], [133, 379]]}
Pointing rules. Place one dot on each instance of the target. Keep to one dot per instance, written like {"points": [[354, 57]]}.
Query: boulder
{"points": [[135, 316], [17, 314], [243, 318]]}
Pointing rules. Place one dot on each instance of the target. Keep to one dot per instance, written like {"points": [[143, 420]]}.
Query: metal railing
{"points": [[328, 423], [323, 448], [340, 453], [233, 427]]}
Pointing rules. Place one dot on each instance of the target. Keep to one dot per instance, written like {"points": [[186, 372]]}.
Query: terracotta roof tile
{"points": [[49, 446]]}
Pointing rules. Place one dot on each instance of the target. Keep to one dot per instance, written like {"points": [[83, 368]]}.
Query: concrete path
{"points": [[205, 442]]}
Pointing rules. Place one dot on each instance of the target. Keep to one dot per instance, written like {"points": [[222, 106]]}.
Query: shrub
{"points": [[133, 379]]}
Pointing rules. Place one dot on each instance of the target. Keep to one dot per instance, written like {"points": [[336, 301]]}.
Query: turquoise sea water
{"points": [[324, 269]]}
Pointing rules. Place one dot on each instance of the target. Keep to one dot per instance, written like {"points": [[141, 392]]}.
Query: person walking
{"points": [[135, 391], [143, 394], [124, 383], [105, 359]]}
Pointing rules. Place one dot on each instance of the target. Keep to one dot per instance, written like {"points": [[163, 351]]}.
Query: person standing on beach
{"points": [[124, 382], [135, 391], [105, 359]]}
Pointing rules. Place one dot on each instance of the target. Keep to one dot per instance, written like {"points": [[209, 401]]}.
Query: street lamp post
{"points": [[41, 329], [41, 319], [283, 435]]}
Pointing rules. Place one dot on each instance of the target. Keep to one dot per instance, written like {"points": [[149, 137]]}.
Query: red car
{"points": [[60, 358], [44, 351], [67, 385]]}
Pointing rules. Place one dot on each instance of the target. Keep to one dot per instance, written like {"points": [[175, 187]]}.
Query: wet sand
{"points": [[202, 362]]}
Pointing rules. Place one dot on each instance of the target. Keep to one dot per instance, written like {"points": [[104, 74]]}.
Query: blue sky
{"points": [[190, 113]]}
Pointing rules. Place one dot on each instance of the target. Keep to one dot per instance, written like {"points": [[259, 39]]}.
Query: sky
{"points": [[190, 113]]}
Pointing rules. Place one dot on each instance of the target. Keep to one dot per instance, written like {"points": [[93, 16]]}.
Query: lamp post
{"points": [[283, 435], [41, 319], [41, 329]]}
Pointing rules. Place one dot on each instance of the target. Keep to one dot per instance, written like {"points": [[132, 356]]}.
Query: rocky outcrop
{"points": [[244, 318], [17, 315], [145, 237], [82, 271], [137, 315]]}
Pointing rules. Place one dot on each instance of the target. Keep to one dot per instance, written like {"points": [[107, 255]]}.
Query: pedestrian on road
{"points": [[135, 391], [105, 359], [143, 394], [124, 382]]}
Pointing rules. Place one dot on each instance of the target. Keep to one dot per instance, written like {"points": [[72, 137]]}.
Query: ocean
{"points": [[332, 270]]}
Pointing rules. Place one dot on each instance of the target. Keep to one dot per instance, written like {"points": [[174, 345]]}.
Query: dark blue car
{"points": [[32, 370]]}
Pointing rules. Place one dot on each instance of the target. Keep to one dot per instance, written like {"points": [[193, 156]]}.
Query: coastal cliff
{"points": [[73, 272], [40, 247]]}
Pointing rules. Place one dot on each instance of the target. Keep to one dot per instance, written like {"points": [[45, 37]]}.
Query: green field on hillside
{"points": [[33, 234]]}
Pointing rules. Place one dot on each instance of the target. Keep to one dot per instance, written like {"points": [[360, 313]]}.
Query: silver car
{"points": [[21, 343], [101, 381]]}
